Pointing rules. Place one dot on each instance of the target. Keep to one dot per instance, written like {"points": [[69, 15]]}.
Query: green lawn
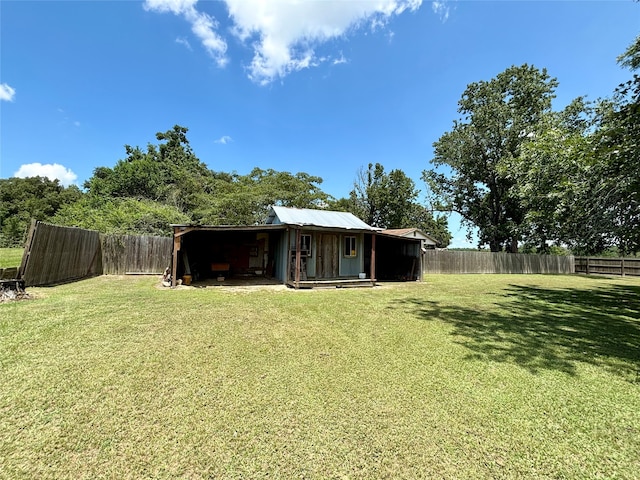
{"points": [[476, 376], [10, 257]]}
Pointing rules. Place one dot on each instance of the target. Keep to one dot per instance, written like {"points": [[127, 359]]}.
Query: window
{"points": [[305, 245], [350, 246]]}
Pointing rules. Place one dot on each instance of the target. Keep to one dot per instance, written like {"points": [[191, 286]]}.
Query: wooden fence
{"points": [[449, 261], [608, 266], [132, 254], [55, 254]]}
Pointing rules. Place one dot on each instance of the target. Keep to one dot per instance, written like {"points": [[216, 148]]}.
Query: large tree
{"points": [[169, 173], [497, 117], [578, 181]]}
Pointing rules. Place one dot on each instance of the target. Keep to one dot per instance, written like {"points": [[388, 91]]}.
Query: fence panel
{"points": [[608, 265], [132, 254], [60, 254], [450, 261]]}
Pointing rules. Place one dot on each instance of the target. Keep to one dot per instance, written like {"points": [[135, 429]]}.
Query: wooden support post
{"points": [[373, 257], [177, 241], [587, 267], [622, 267], [298, 258]]}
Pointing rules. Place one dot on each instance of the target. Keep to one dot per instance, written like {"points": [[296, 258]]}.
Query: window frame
{"points": [[309, 250], [350, 246]]}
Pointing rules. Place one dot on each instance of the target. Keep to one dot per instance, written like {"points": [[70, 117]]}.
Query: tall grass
{"points": [[456, 377]]}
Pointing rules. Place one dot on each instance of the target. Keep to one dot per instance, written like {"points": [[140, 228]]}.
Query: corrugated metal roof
{"points": [[317, 218]]}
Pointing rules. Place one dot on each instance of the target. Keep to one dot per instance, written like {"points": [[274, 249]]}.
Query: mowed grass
{"points": [[476, 376], [10, 257]]}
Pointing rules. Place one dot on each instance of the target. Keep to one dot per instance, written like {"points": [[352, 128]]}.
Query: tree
{"points": [[23, 199], [390, 200], [498, 117], [169, 173], [122, 216], [245, 199], [553, 181]]}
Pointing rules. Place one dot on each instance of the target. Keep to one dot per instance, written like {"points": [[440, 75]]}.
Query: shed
{"points": [[297, 247]]}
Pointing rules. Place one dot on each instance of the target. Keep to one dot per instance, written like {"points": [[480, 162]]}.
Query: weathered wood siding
{"points": [[608, 266], [132, 254], [446, 261], [57, 254]]}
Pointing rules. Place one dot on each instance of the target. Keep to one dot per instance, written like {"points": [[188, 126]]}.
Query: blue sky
{"points": [[321, 86]]}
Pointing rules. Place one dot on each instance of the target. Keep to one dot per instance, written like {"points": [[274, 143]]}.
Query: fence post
{"points": [[622, 267], [587, 268]]}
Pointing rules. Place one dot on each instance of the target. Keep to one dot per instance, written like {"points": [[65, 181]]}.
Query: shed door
{"points": [[327, 257]]}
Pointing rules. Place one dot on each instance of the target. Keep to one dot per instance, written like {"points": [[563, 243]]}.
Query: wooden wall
{"points": [[450, 261]]}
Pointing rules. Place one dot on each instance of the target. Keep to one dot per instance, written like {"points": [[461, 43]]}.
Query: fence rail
{"points": [[608, 266], [447, 261]]}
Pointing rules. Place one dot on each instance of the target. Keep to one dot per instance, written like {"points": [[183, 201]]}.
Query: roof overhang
{"points": [[180, 230]]}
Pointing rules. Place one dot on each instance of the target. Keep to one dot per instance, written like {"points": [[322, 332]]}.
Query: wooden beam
{"points": [[177, 241], [373, 257], [298, 258]]}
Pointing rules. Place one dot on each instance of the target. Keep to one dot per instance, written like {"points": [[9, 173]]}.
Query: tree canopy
{"points": [[390, 200], [498, 117]]}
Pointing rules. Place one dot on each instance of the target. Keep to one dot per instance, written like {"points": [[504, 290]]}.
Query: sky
{"points": [[319, 86]]}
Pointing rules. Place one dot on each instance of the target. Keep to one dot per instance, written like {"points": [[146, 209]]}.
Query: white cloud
{"points": [[441, 8], [284, 34], [183, 41], [7, 93], [224, 140], [202, 25], [49, 170]]}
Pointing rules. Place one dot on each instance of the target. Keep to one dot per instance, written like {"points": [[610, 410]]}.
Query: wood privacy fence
{"points": [[55, 254], [608, 266], [448, 261], [133, 254]]}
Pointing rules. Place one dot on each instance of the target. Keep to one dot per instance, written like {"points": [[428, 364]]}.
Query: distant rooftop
{"points": [[316, 218]]}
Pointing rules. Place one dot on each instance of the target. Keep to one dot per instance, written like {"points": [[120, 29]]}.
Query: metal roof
{"points": [[410, 232], [317, 218]]}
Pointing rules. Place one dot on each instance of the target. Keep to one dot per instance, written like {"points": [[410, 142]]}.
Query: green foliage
{"points": [[23, 199], [389, 200], [578, 180], [120, 216], [498, 117], [169, 173]]}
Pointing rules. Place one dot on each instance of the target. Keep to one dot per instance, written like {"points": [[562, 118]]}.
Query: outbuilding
{"points": [[302, 248]]}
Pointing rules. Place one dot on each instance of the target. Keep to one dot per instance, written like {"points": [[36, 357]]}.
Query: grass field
{"points": [[10, 257], [477, 376]]}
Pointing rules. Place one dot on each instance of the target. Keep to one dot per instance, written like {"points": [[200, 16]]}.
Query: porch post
{"points": [[298, 259], [373, 257], [174, 264]]}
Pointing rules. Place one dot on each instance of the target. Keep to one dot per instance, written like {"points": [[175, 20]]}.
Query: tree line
{"points": [[167, 183]]}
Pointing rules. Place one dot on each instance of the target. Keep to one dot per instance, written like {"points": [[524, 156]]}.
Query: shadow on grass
{"points": [[553, 329]]}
